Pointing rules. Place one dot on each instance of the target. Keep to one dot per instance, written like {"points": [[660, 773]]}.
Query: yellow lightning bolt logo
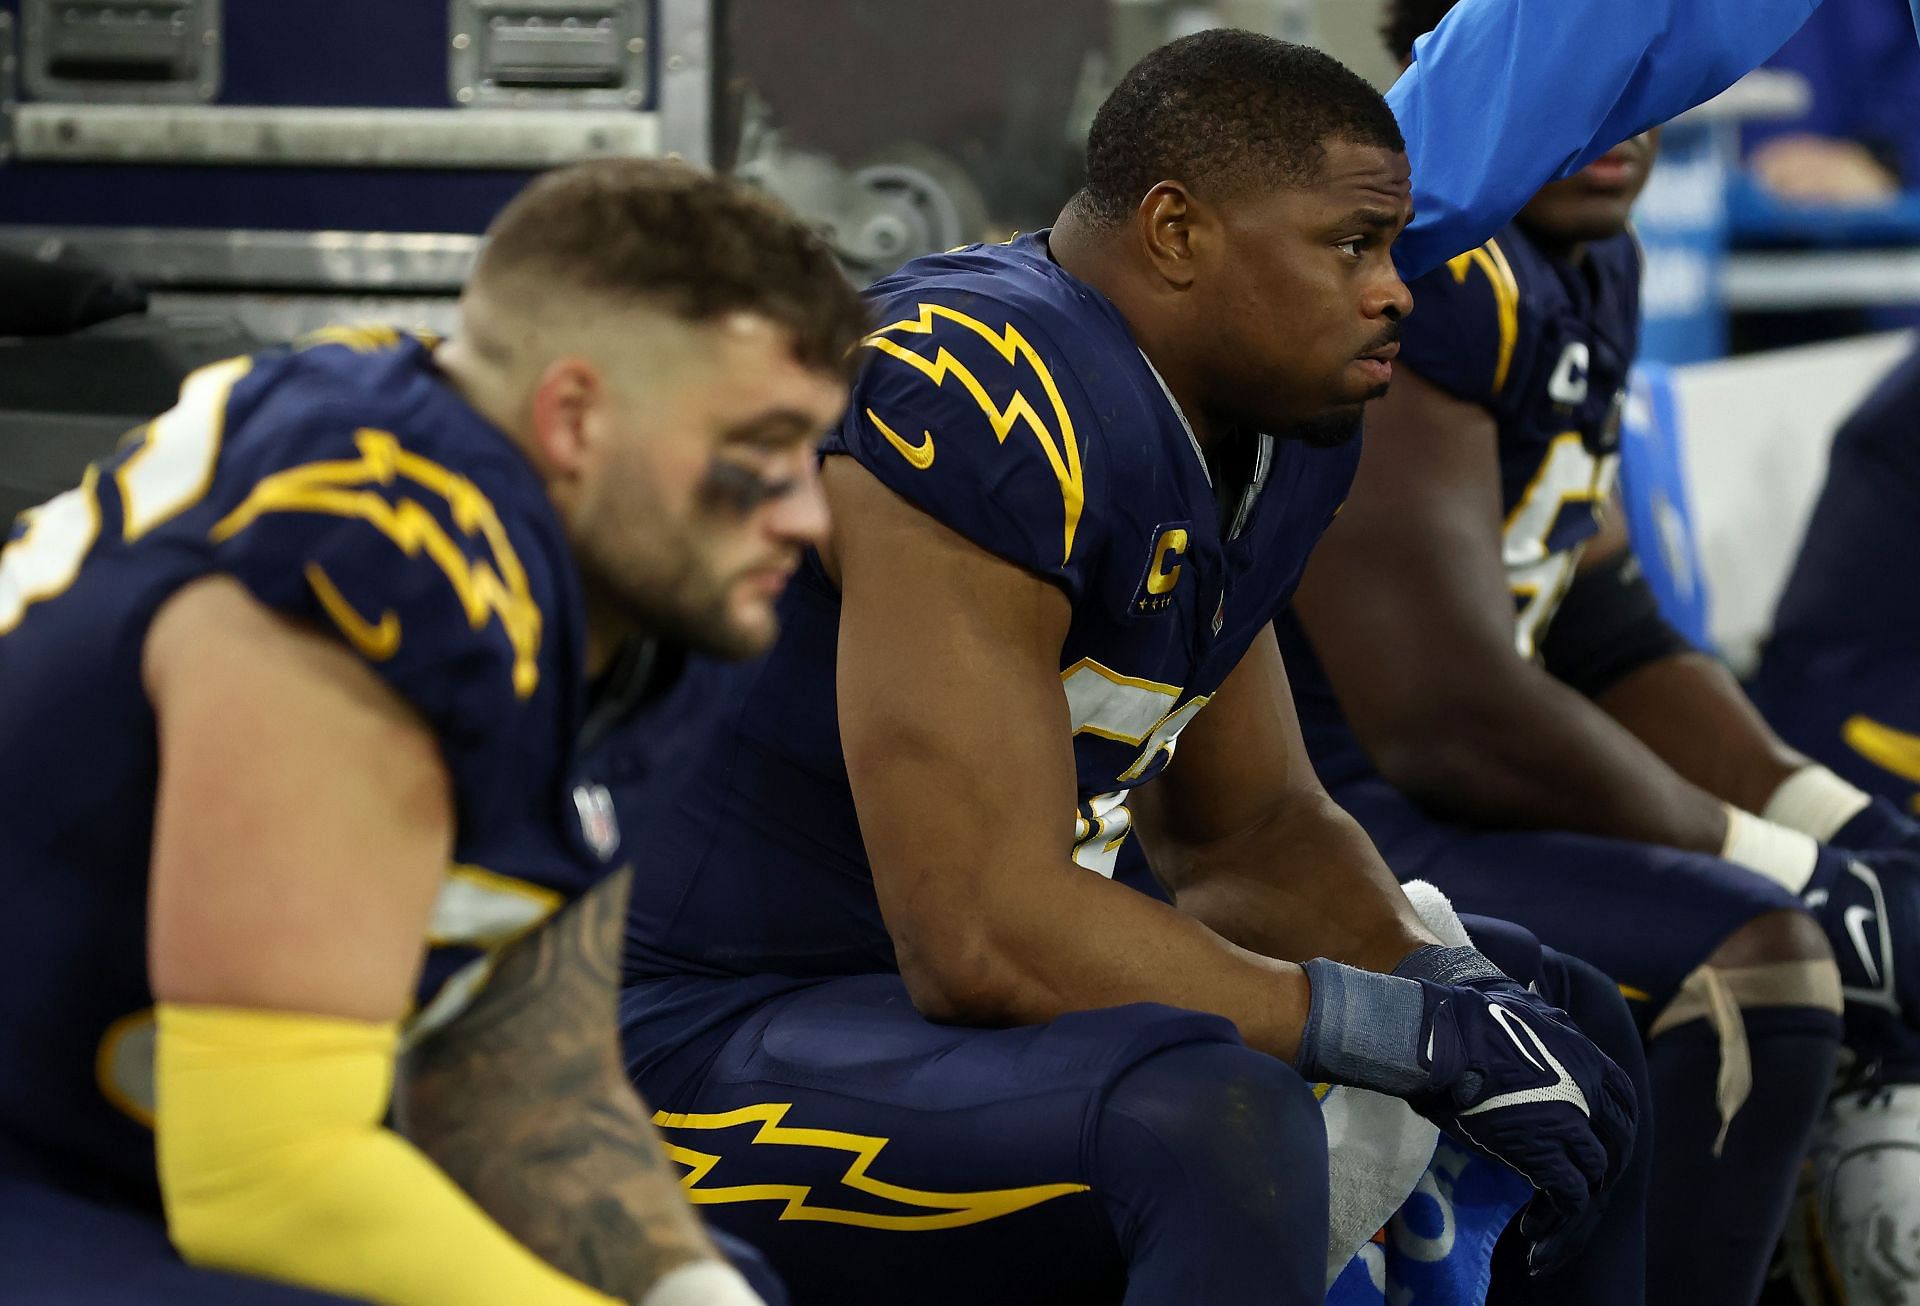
{"points": [[364, 339], [945, 1210], [337, 488], [1492, 262], [1056, 440]]}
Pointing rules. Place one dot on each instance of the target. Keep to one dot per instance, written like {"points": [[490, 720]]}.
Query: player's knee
{"points": [[1594, 1001], [1778, 937], [1513, 948], [1778, 960], [1217, 1123]]}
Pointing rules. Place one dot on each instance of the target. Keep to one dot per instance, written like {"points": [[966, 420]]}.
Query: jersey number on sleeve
{"points": [[161, 479]]}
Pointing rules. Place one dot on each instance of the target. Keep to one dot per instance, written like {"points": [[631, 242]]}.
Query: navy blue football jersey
{"points": [[1853, 583], [345, 484], [1840, 675], [1544, 345], [1007, 400]]}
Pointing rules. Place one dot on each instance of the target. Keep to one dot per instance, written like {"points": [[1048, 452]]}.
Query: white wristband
{"points": [[1815, 801], [1785, 856], [703, 1283]]}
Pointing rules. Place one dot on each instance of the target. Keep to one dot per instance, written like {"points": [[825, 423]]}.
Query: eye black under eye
{"points": [[730, 487]]}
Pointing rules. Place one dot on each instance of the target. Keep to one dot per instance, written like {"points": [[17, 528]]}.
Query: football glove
{"points": [[1490, 1062], [1515, 1080], [1879, 827], [1869, 905]]}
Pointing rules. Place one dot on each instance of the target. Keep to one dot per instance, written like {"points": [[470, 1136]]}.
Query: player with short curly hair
{"points": [[906, 1030]]}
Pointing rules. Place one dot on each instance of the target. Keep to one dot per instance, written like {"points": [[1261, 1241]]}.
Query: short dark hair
{"points": [[698, 245], [1409, 20], [1226, 112]]}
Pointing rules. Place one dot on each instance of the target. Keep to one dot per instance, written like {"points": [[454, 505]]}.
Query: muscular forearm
{"points": [[1530, 752], [1692, 712], [522, 1100], [1051, 940], [1306, 883]]}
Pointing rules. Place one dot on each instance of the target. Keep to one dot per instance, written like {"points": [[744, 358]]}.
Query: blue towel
{"points": [[1438, 1250]]}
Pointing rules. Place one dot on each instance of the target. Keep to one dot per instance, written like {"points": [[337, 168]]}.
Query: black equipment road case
{"points": [[336, 146], [264, 167]]}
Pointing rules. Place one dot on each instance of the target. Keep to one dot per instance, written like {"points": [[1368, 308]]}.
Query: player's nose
{"points": [[1389, 297], [800, 516]]}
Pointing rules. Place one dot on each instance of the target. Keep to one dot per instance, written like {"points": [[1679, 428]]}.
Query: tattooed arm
{"points": [[288, 905], [524, 1101]]}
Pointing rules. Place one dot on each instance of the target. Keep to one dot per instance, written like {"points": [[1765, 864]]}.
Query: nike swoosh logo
{"points": [[1506, 1020], [918, 456], [1889, 749], [1856, 919], [1563, 1088], [376, 641]]}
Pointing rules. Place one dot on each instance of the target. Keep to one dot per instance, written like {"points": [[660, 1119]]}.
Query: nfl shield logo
{"points": [[597, 822]]}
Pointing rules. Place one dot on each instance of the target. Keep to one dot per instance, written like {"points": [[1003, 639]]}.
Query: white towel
{"points": [[1377, 1147]]}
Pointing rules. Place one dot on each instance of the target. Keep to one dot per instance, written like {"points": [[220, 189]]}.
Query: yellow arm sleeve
{"points": [[273, 1161]]}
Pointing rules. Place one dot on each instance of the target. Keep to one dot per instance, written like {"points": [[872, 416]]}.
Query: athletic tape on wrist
{"points": [[1783, 855], [1363, 1029], [1815, 801], [703, 1283]]}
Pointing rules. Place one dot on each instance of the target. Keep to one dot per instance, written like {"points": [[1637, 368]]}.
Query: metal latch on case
{"points": [[551, 57], [550, 53], [163, 50]]}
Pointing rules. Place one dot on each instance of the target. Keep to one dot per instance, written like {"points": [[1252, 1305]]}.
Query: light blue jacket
{"points": [[1507, 95]]}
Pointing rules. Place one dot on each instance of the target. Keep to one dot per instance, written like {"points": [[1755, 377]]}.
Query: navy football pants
{"points": [[875, 1157], [1138, 1154], [1646, 915]]}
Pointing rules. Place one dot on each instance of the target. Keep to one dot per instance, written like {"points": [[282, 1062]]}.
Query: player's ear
{"points": [[566, 413], [1165, 220]]}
